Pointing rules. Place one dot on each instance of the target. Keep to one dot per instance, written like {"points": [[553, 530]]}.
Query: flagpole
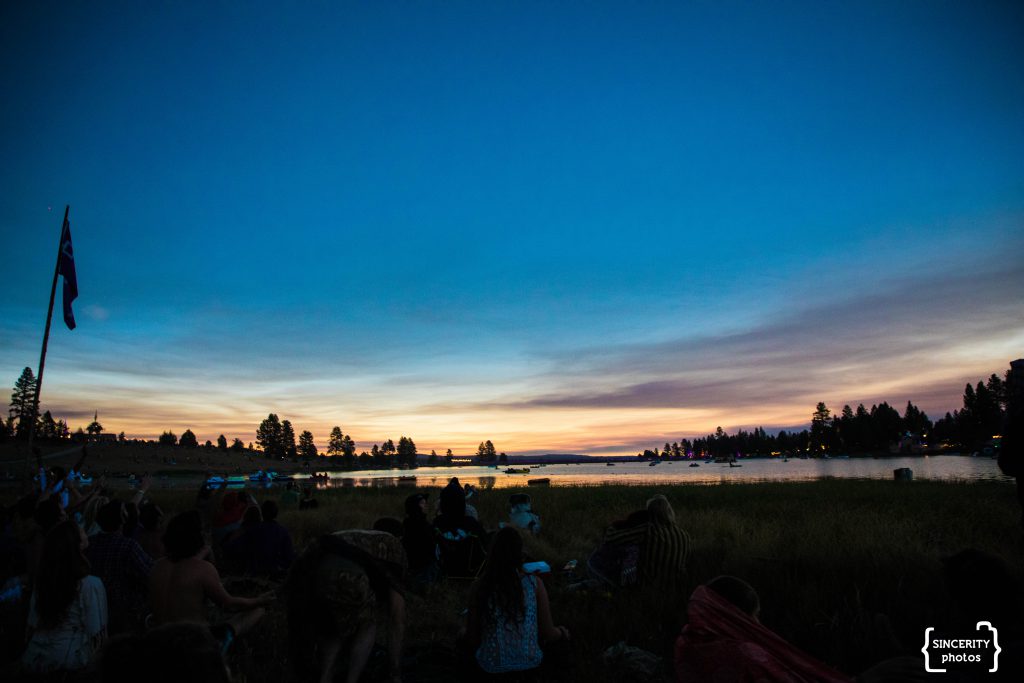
{"points": [[42, 355]]}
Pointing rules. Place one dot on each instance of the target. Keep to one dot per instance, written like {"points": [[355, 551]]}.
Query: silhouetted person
{"points": [[509, 616], [184, 580], [264, 547], [68, 614], [420, 540], [123, 566]]}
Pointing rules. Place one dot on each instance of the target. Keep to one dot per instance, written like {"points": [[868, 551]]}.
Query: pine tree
{"points": [[269, 437], [821, 425], [288, 439], [222, 442], [335, 442], [22, 400], [307, 448]]}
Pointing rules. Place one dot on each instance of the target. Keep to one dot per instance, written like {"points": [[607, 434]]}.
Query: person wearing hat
{"points": [[420, 541]]}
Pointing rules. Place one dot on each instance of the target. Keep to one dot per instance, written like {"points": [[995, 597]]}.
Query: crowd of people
{"points": [[93, 582]]}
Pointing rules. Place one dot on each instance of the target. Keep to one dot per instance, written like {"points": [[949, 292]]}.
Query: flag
{"points": [[67, 270]]}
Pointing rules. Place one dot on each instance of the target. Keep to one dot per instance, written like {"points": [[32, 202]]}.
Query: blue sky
{"points": [[560, 226]]}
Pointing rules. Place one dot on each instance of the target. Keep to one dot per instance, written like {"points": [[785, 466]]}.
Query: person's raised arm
{"points": [[144, 485], [547, 631]]}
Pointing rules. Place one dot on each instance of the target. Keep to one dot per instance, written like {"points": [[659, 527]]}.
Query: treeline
{"points": [[879, 429]]}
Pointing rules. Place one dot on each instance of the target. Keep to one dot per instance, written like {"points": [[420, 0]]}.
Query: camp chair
{"points": [[462, 554]]}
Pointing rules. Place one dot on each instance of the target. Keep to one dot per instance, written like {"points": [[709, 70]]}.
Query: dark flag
{"points": [[67, 270]]}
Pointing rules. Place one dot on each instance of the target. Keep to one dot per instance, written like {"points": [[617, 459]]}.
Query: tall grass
{"points": [[825, 557]]}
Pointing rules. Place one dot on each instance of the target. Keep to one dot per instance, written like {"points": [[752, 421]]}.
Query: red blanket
{"points": [[722, 643]]}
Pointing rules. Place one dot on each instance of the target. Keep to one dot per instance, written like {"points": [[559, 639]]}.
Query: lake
{"points": [[936, 467]]}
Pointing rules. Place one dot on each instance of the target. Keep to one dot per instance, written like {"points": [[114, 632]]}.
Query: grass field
{"points": [[824, 556]]}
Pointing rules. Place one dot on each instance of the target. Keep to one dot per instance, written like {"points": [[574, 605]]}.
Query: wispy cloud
{"points": [[918, 335]]}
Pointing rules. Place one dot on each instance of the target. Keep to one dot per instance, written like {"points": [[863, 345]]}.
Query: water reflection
{"points": [[955, 468], [946, 467]]}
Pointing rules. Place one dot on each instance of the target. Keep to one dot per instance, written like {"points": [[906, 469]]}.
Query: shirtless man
{"points": [[182, 582]]}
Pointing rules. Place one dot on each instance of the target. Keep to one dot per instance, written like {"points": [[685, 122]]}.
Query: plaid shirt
{"points": [[124, 568]]}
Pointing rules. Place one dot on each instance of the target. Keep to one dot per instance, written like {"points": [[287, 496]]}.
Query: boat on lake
{"points": [[517, 470]]}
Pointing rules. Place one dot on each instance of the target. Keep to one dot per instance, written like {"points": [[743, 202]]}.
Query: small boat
{"points": [[732, 464], [517, 470], [610, 464], [652, 463], [539, 482], [694, 464]]}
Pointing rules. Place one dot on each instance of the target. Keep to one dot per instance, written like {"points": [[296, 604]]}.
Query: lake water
{"points": [[943, 467]]}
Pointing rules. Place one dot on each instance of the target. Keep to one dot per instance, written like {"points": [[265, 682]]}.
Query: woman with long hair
{"points": [[68, 610], [509, 612]]}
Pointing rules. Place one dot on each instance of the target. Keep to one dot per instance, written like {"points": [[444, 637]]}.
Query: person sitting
{"points": [[647, 548], [264, 547], [228, 519], [521, 514], [420, 541], [123, 566], [724, 641], [182, 582], [509, 624], [470, 491], [460, 537], [68, 610], [334, 590]]}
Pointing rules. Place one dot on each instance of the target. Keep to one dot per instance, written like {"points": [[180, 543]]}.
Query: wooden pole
{"points": [[42, 355]]}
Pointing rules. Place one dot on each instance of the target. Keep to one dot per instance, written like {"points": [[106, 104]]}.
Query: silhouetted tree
{"points": [[288, 440], [502, 458], [237, 445], [821, 424], [270, 437], [486, 453], [188, 440], [222, 442], [307, 448], [168, 438], [334, 441], [47, 428], [22, 399], [406, 452], [449, 458], [432, 459]]}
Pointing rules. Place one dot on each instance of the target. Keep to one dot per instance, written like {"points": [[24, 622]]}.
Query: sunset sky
{"points": [[564, 227]]}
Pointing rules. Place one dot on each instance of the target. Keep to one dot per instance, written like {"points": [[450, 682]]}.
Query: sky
{"points": [[563, 227]]}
